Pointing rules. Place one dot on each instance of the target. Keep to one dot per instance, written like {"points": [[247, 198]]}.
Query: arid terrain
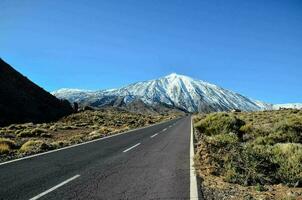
{"points": [[250, 155], [18, 140]]}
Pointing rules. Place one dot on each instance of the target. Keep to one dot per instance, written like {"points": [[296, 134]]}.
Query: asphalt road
{"points": [[150, 163]]}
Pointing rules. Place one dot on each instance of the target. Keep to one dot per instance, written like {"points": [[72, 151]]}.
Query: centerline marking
{"points": [[131, 147], [164, 129], [152, 136], [55, 187]]}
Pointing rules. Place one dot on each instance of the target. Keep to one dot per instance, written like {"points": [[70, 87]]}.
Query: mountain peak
{"points": [[174, 90], [175, 75]]}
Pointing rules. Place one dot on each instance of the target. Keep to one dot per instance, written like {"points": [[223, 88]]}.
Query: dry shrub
{"points": [[269, 151], [4, 148], [11, 144], [33, 146], [219, 123]]}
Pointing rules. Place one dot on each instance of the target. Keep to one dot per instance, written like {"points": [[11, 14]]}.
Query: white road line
{"points": [[152, 136], [164, 129], [193, 181], [75, 145], [55, 187], [131, 147], [170, 126]]}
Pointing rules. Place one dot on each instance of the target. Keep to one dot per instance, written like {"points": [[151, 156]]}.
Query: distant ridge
{"points": [[23, 101]]}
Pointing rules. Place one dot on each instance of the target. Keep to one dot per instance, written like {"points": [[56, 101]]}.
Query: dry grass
{"points": [[31, 146], [32, 138], [254, 149], [8, 142], [4, 148], [6, 145]]}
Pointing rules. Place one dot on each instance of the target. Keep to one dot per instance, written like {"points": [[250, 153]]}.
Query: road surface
{"points": [[149, 163]]}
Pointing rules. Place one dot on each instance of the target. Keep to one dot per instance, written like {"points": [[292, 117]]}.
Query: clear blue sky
{"points": [[251, 47]]}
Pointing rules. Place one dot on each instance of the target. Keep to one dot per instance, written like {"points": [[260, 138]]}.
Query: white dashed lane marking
{"points": [[152, 136], [131, 147], [55, 187]]}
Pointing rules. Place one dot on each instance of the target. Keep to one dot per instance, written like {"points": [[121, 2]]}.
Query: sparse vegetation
{"points": [[8, 142], [31, 146], [6, 145], [17, 140], [4, 148], [253, 149], [59, 144], [219, 123]]}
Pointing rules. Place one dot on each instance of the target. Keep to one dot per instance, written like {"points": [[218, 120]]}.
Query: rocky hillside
{"points": [[23, 101]]}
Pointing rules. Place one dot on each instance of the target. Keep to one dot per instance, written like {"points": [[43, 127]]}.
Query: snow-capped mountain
{"points": [[174, 90], [288, 105]]}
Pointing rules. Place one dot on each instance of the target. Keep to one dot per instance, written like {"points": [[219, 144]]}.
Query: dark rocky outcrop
{"points": [[23, 101]]}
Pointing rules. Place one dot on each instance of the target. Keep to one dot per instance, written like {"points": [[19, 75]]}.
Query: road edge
{"points": [[83, 143], [194, 192]]}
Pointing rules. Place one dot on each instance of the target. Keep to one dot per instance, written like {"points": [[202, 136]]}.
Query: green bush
{"points": [[219, 123], [261, 140], [283, 132], [282, 137], [250, 166], [247, 128], [289, 130], [289, 157], [223, 140], [260, 188], [269, 151]]}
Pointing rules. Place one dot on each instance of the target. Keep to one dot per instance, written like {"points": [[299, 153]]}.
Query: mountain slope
{"points": [[173, 90], [23, 101]]}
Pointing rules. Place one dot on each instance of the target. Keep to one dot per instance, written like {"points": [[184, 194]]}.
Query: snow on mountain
{"points": [[263, 105], [288, 105], [173, 90], [73, 95]]}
